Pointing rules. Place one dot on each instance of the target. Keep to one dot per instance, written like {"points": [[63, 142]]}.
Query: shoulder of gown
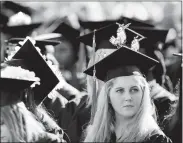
{"points": [[157, 138]]}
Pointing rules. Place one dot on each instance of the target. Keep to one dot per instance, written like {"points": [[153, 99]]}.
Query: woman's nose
{"points": [[128, 97]]}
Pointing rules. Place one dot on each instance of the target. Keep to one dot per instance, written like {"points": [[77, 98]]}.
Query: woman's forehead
{"points": [[127, 80]]}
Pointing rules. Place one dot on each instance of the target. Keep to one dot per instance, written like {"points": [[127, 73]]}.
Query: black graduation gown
{"points": [[74, 119], [157, 138], [55, 104]]}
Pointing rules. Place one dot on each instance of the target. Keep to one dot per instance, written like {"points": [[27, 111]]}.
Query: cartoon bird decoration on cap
{"points": [[120, 40]]}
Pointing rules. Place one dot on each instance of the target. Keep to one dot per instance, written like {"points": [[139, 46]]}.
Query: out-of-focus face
{"points": [[64, 54], [126, 96], [5, 132]]}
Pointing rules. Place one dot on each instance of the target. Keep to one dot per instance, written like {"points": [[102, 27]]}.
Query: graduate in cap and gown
{"points": [[124, 109], [66, 54], [18, 124], [174, 127], [16, 21], [160, 83], [33, 60], [79, 117]]}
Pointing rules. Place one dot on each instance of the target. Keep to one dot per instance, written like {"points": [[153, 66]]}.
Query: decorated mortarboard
{"points": [[36, 62], [126, 58], [115, 32], [99, 24], [15, 76], [14, 80], [154, 36]]}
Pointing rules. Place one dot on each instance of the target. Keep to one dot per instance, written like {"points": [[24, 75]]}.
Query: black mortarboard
{"points": [[16, 7], [153, 36], [103, 36], [99, 24], [20, 30], [14, 84], [126, 56], [123, 57], [35, 62], [67, 31], [39, 43]]}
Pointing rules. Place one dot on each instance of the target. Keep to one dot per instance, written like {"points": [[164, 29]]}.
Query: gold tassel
{"points": [[94, 96]]}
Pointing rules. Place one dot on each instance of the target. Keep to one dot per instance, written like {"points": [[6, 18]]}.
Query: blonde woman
{"points": [[124, 109], [124, 112], [19, 125]]}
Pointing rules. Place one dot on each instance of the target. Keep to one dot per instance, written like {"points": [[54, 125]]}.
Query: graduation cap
{"points": [[67, 31], [12, 82], [152, 35], [20, 30], [68, 34], [35, 62], [16, 7], [39, 43], [14, 79], [123, 62], [104, 34], [125, 59], [99, 24]]}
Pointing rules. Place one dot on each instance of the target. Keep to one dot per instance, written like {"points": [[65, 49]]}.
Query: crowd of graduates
{"points": [[62, 84]]}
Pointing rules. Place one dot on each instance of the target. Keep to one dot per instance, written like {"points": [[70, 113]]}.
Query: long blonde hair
{"points": [[102, 127], [92, 97], [21, 123]]}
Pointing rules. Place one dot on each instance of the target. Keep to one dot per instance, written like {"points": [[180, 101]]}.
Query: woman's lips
{"points": [[128, 106]]}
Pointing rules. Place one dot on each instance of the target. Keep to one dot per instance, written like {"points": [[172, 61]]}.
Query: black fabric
{"points": [[121, 57], [157, 138], [74, 119], [99, 24]]}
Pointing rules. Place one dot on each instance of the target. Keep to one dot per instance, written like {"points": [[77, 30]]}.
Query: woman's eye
{"points": [[120, 90], [134, 90]]}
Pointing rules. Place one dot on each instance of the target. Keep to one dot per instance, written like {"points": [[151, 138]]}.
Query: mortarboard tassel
{"points": [[94, 96]]}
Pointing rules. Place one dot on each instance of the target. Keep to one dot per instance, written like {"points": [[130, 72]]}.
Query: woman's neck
{"points": [[121, 125], [121, 121]]}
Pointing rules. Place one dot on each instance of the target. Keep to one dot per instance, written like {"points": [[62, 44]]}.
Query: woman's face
{"points": [[5, 132], [64, 54], [126, 95]]}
